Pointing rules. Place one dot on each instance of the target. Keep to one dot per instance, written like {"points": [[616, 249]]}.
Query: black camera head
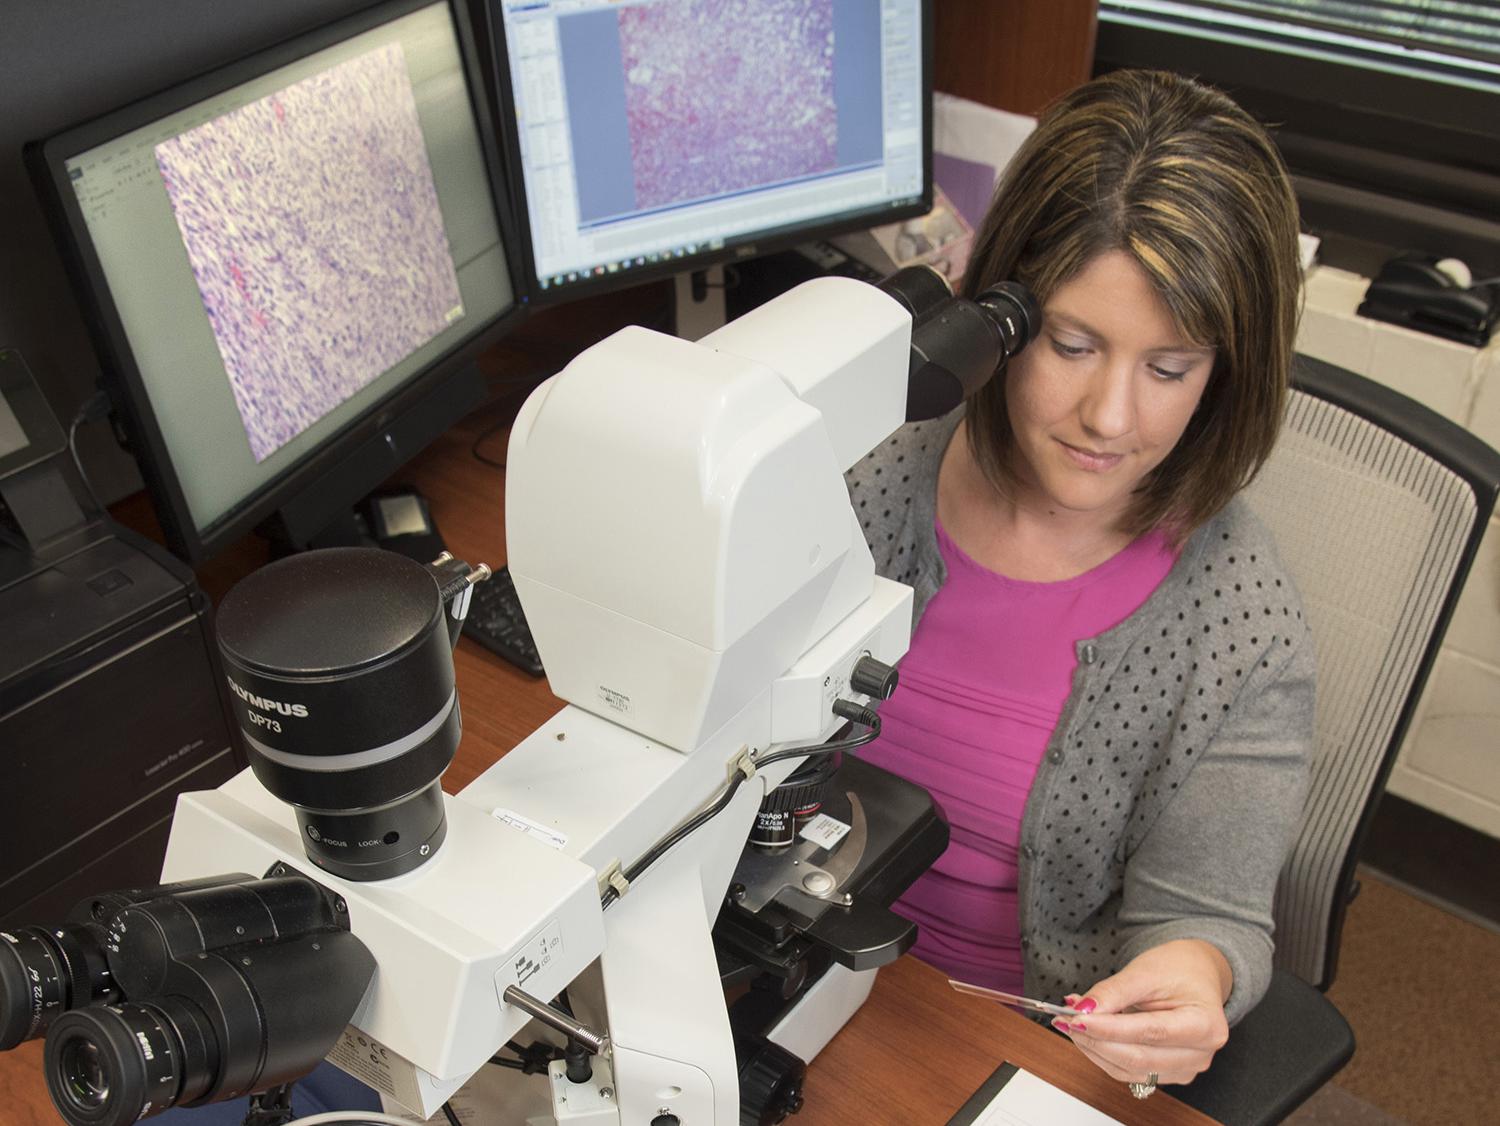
{"points": [[340, 670]]}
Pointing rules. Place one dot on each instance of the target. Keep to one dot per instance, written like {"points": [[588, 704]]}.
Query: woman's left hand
{"points": [[1162, 1015]]}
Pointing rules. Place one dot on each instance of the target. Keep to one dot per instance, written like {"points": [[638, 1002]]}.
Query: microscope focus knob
{"points": [[873, 677], [770, 1085]]}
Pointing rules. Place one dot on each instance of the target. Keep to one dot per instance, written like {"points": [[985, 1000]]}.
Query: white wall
{"points": [[1450, 762]]}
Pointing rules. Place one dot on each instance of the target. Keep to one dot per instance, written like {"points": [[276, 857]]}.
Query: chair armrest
{"points": [[1278, 1055]]}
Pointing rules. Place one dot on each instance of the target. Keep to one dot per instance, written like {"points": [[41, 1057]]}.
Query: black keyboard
{"points": [[495, 621], [831, 260]]}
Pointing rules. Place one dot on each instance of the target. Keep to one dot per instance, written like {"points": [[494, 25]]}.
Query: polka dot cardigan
{"points": [[1170, 790]]}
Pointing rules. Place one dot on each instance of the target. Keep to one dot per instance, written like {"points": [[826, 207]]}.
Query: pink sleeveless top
{"points": [[990, 668]]}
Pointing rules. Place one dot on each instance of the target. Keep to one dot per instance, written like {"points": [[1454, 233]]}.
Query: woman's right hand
{"points": [[1162, 1015]]}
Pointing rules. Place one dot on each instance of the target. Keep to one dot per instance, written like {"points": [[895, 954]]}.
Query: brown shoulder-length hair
{"points": [[1178, 176]]}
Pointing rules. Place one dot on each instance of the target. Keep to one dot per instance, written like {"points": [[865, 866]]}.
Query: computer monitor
{"points": [[288, 266], [656, 137]]}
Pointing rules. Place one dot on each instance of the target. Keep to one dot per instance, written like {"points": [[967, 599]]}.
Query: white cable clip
{"points": [[460, 607], [743, 763], [614, 877]]}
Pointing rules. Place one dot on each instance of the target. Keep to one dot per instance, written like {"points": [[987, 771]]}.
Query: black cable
{"points": [[95, 407], [349, 1118], [533, 1061], [866, 717], [270, 1108], [484, 434], [451, 1115], [655, 852], [848, 744], [519, 385]]}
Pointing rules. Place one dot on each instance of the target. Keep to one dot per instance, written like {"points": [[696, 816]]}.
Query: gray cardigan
{"points": [[1170, 790]]}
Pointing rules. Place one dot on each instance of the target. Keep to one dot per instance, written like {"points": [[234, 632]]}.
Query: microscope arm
{"points": [[701, 592]]}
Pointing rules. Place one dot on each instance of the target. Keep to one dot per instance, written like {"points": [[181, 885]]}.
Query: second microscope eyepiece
{"points": [[111, 1065], [86, 1075], [45, 973]]}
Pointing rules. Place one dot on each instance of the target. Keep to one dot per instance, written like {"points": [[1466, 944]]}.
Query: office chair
{"points": [[1378, 506]]}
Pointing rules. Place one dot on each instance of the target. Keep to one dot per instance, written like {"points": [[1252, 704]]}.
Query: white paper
{"points": [[1029, 1101], [977, 132], [1307, 246], [824, 831]]}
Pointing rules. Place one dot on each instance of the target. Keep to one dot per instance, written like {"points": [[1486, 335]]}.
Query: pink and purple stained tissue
{"points": [[312, 226], [722, 95]]}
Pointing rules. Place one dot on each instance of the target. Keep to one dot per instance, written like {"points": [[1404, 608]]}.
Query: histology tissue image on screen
{"points": [[721, 95], [312, 225]]}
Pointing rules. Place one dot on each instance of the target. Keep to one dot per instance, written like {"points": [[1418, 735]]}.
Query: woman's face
{"points": [[1102, 395]]}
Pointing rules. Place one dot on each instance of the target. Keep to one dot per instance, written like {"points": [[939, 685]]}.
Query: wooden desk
{"points": [[910, 1057]]}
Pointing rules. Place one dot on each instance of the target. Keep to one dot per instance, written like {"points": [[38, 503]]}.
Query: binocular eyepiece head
{"points": [[182, 994]]}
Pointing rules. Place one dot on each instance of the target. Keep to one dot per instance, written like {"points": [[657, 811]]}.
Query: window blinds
{"points": [[1441, 37]]}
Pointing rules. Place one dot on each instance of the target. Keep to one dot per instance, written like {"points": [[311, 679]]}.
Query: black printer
{"points": [[111, 702]]}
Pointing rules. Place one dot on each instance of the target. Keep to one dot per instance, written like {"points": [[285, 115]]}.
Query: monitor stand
{"points": [[41, 520], [704, 300], [40, 504], [401, 521], [330, 511], [397, 519], [758, 280], [698, 305]]}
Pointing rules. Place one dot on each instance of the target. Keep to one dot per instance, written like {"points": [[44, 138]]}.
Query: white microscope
{"points": [[703, 598]]}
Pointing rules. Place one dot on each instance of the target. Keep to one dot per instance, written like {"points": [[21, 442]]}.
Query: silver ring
{"points": [[1144, 1090]]}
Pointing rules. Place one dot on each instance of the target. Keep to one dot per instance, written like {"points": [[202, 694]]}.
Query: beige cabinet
{"points": [[1450, 761]]}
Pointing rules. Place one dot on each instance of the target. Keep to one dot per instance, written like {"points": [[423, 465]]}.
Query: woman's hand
{"points": [[1163, 1014]]}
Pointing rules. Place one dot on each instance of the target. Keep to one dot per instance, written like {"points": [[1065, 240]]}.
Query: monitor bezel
{"points": [[737, 250], [46, 160]]}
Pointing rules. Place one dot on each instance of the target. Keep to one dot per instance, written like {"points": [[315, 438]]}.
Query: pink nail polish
{"points": [[1078, 1028], [1072, 999], [1087, 1005], [1059, 1024]]}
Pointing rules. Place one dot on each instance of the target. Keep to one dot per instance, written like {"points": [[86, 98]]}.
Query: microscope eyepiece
{"points": [[1014, 313], [111, 1065], [958, 345], [45, 973]]}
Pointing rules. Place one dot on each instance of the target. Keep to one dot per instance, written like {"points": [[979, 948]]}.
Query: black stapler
{"points": [[1411, 290]]}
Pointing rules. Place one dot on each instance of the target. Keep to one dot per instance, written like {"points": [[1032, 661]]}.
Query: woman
{"points": [[1110, 684]]}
